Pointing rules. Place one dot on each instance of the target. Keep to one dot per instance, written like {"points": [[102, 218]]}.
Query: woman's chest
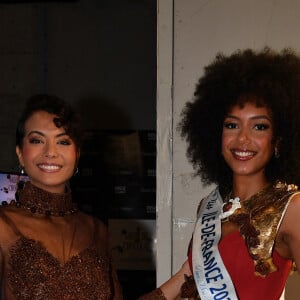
{"points": [[33, 270]]}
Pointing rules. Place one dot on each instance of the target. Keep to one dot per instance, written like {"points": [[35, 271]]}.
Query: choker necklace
{"points": [[39, 201]]}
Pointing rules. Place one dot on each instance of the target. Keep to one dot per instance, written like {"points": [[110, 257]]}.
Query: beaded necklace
{"points": [[39, 201]]}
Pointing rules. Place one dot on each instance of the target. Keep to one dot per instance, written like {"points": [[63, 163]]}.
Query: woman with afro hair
{"points": [[243, 134]]}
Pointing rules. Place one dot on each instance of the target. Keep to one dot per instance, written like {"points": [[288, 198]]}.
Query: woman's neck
{"points": [[244, 186]]}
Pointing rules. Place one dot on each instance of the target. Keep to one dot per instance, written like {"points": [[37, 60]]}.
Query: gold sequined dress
{"points": [[51, 251]]}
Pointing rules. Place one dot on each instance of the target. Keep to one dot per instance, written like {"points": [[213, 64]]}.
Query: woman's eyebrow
{"points": [[42, 134], [252, 118]]}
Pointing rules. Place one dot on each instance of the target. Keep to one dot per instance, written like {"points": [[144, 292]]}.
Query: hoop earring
{"points": [[76, 172]]}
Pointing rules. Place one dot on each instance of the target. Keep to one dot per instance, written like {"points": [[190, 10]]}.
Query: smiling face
{"points": [[247, 140], [48, 155]]}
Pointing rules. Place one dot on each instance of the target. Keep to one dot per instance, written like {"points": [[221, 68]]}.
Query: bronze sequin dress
{"points": [[50, 251]]}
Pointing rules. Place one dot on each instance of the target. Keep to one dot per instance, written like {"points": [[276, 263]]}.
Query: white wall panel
{"points": [[201, 29]]}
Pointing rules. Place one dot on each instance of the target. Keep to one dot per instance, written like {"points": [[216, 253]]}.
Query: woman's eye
{"points": [[230, 125], [261, 126], [34, 141], [65, 142]]}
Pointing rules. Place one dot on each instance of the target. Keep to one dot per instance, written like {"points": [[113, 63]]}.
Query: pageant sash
{"points": [[211, 277]]}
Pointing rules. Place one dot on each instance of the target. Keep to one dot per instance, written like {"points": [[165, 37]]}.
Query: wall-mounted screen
{"points": [[8, 185]]}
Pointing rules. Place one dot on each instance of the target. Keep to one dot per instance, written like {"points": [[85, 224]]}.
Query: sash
{"points": [[212, 279]]}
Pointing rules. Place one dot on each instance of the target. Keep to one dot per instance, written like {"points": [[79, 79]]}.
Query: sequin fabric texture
{"points": [[258, 221], [32, 271]]}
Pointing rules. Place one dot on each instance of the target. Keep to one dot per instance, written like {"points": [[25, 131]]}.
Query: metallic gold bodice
{"points": [[259, 219]]}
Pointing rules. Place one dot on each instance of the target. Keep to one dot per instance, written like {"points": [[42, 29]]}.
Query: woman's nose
{"points": [[244, 135], [50, 150]]}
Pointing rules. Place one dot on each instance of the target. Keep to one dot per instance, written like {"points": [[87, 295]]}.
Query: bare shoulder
{"points": [[293, 209], [288, 238], [289, 228], [292, 214]]}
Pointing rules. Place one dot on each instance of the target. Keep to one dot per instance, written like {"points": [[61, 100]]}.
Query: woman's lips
{"points": [[49, 167], [243, 154]]}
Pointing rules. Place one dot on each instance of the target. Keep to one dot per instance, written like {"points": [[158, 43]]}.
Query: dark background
{"points": [[99, 55]]}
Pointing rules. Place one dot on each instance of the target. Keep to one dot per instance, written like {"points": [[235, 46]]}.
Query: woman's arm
{"points": [[170, 290], [290, 229], [2, 287], [102, 241], [116, 286]]}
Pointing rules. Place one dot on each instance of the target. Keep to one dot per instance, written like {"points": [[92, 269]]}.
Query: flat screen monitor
{"points": [[8, 185]]}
